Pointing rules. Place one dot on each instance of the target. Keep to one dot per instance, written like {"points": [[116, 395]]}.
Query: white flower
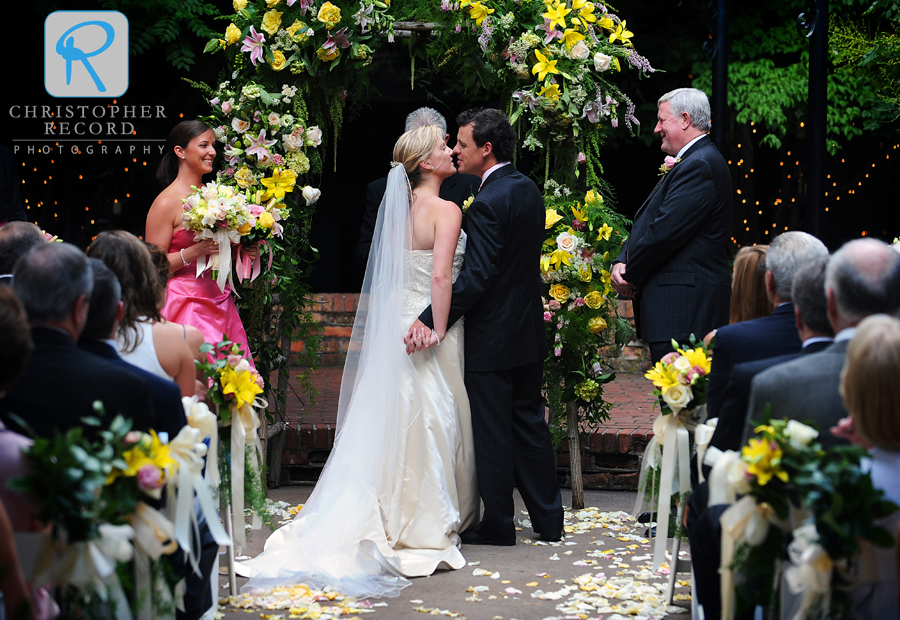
{"points": [[243, 366], [579, 51], [799, 434], [314, 136], [601, 61], [678, 397], [240, 125], [567, 242], [294, 141], [737, 476], [682, 365], [311, 195], [274, 119]]}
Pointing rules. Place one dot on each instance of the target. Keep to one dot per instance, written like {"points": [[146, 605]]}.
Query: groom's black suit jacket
{"points": [[677, 253], [499, 288]]}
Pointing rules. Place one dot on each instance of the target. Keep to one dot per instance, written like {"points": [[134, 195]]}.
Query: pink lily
{"points": [[550, 32], [259, 146], [253, 43], [304, 6], [337, 38]]}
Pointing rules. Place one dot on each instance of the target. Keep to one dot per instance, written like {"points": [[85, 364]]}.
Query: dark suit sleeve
{"points": [[719, 372], [483, 247], [690, 199], [367, 229]]}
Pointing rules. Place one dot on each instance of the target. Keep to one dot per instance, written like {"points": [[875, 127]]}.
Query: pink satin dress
{"points": [[199, 302]]}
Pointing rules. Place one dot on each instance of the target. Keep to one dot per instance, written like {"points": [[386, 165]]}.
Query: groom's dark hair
{"points": [[491, 125]]}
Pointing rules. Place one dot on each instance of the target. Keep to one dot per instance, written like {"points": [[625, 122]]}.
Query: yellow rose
{"points": [[328, 55], [559, 292], [329, 15], [272, 3], [244, 177], [232, 34], [279, 61], [271, 22], [552, 218], [266, 220], [293, 28], [244, 228], [596, 325], [593, 300], [584, 272], [593, 196], [239, 5]]}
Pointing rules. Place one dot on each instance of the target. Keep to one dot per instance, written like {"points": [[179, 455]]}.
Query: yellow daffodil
{"points": [[585, 10], [557, 15], [543, 66], [764, 461], [552, 218], [550, 92], [478, 12], [571, 37], [559, 292], [621, 34], [579, 214], [280, 183], [697, 357], [242, 385], [662, 377], [559, 258], [604, 232]]}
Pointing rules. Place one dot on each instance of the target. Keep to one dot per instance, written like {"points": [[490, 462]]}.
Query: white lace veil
{"points": [[335, 539]]}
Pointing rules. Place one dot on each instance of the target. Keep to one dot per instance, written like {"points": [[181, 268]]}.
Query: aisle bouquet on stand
{"points": [[101, 525], [234, 389], [680, 380], [815, 504]]}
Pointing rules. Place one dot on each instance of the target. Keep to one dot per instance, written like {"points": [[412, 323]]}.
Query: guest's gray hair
{"points": [[423, 117], [50, 279], [690, 100], [787, 253], [808, 295], [865, 277]]}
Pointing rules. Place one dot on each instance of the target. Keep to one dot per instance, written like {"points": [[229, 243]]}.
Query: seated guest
{"points": [[748, 287], [61, 383], [862, 278], [811, 318], [767, 336], [872, 395], [16, 239], [144, 338], [160, 260], [98, 338]]}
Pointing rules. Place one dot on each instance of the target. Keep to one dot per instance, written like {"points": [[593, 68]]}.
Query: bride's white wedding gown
{"points": [[400, 482]]}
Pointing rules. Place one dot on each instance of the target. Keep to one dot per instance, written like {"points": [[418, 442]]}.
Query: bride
{"points": [[400, 483]]}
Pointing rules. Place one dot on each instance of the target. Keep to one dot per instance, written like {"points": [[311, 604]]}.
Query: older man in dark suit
{"points": [[456, 188], [675, 265], [862, 278], [61, 383], [767, 336], [499, 291]]}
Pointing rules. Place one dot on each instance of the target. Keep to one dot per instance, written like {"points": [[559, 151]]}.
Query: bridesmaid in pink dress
{"points": [[190, 300]]}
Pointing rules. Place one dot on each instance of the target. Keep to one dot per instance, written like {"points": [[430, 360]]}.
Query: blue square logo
{"points": [[86, 54]]}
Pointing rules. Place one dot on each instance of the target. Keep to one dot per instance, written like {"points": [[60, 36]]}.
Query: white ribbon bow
{"points": [[222, 260], [810, 571], [244, 423]]}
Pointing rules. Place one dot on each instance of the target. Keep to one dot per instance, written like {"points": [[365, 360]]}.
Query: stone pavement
{"points": [[605, 551], [612, 460]]}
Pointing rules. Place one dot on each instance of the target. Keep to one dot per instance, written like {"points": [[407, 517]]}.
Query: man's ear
{"points": [[120, 311], [685, 120], [487, 149]]}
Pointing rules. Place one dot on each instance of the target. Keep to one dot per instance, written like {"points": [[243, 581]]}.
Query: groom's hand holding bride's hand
{"points": [[419, 337]]}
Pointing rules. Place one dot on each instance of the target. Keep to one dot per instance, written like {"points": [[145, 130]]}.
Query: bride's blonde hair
{"points": [[414, 147]]}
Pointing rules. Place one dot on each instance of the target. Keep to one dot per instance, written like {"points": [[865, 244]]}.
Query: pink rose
{"points": [[699, 370], [669, 358], [259, 381], [233, 360], [548, 317], [132, 438], [149, 478], [670, 162], [227, 106], [554, 305], [277, 159]]}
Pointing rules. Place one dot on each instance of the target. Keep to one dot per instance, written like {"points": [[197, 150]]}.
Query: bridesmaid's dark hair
{"points": [[143, 297], [181, 135]]}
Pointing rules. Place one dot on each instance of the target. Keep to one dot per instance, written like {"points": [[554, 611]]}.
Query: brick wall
{"points": [[335, 313]]}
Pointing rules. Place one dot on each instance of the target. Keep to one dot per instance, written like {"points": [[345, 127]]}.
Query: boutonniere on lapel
{"points": [[668, 164], [467, 203]]}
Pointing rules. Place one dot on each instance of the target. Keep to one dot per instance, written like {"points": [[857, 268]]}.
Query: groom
{"points": [[499, 292]]}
